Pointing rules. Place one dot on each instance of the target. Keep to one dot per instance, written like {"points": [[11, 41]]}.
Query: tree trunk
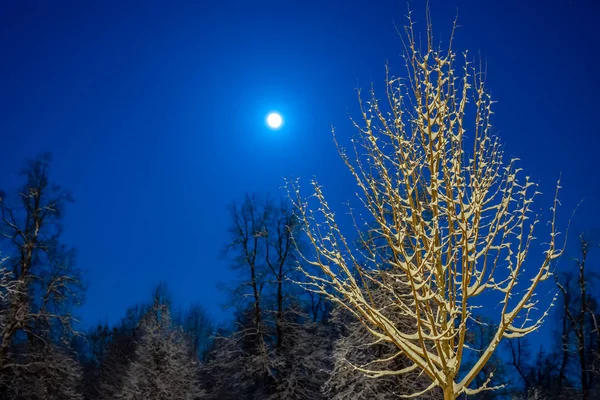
{"points": [[583, 311], [279, 310], [564, 337], [449, 392]]}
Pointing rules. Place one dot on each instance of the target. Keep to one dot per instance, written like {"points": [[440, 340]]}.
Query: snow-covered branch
{"points": [[453, 220]]}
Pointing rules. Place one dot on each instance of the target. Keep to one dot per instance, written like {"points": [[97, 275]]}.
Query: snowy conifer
{"points": [[164, 366]]}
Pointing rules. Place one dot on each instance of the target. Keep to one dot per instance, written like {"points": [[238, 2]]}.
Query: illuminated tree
{"points": [[355, 345], [454, 218]]}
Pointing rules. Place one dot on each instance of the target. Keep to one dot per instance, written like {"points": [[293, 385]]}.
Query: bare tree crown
{"points": [[452, 219]]}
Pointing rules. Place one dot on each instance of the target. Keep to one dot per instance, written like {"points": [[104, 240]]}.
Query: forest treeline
{"points": [[283, 343]]}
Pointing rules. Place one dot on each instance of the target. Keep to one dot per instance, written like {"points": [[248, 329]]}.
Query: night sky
{"points": [[155, 113]]}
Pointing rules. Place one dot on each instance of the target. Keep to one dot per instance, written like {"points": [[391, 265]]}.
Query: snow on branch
{"points": [[451, 220]]}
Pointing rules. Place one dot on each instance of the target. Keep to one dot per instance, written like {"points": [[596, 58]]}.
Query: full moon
{"points": [[274, 120]]}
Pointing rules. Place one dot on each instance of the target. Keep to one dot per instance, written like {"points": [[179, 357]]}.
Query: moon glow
{"points": [[274, 120]]}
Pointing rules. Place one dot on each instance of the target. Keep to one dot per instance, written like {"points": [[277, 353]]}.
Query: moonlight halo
{"points": [[274, 120]]}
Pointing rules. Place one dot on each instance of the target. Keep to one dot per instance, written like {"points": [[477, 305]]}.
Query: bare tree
{"points": [[579, 318], [279, 256], [42, 373], [242, 360], [198, 325], [519, 357], [248, 230], [455, 217], [8, 286], [480, 333], [269, 351], [44, 283], [566, 290]]}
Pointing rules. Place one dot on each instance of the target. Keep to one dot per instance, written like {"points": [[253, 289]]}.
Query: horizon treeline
{"points": [[283, 342]]}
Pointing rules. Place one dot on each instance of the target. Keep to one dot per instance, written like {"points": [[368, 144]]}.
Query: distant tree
{"points": [[455, 217], [8, 286], [520, 361], [533, 394], [564, 283], [270, 352], [44, 284], [233, 368], [480, 333], [248, 246], [44, 373], [235, 365], [197, 324], [92, 354], [121, 346], [303, 359], [164, 366], [117, 357], [580, 326], [140, 356]]}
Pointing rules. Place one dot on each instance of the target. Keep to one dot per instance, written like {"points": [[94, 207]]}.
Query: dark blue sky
{"points": [[155, 114]]}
